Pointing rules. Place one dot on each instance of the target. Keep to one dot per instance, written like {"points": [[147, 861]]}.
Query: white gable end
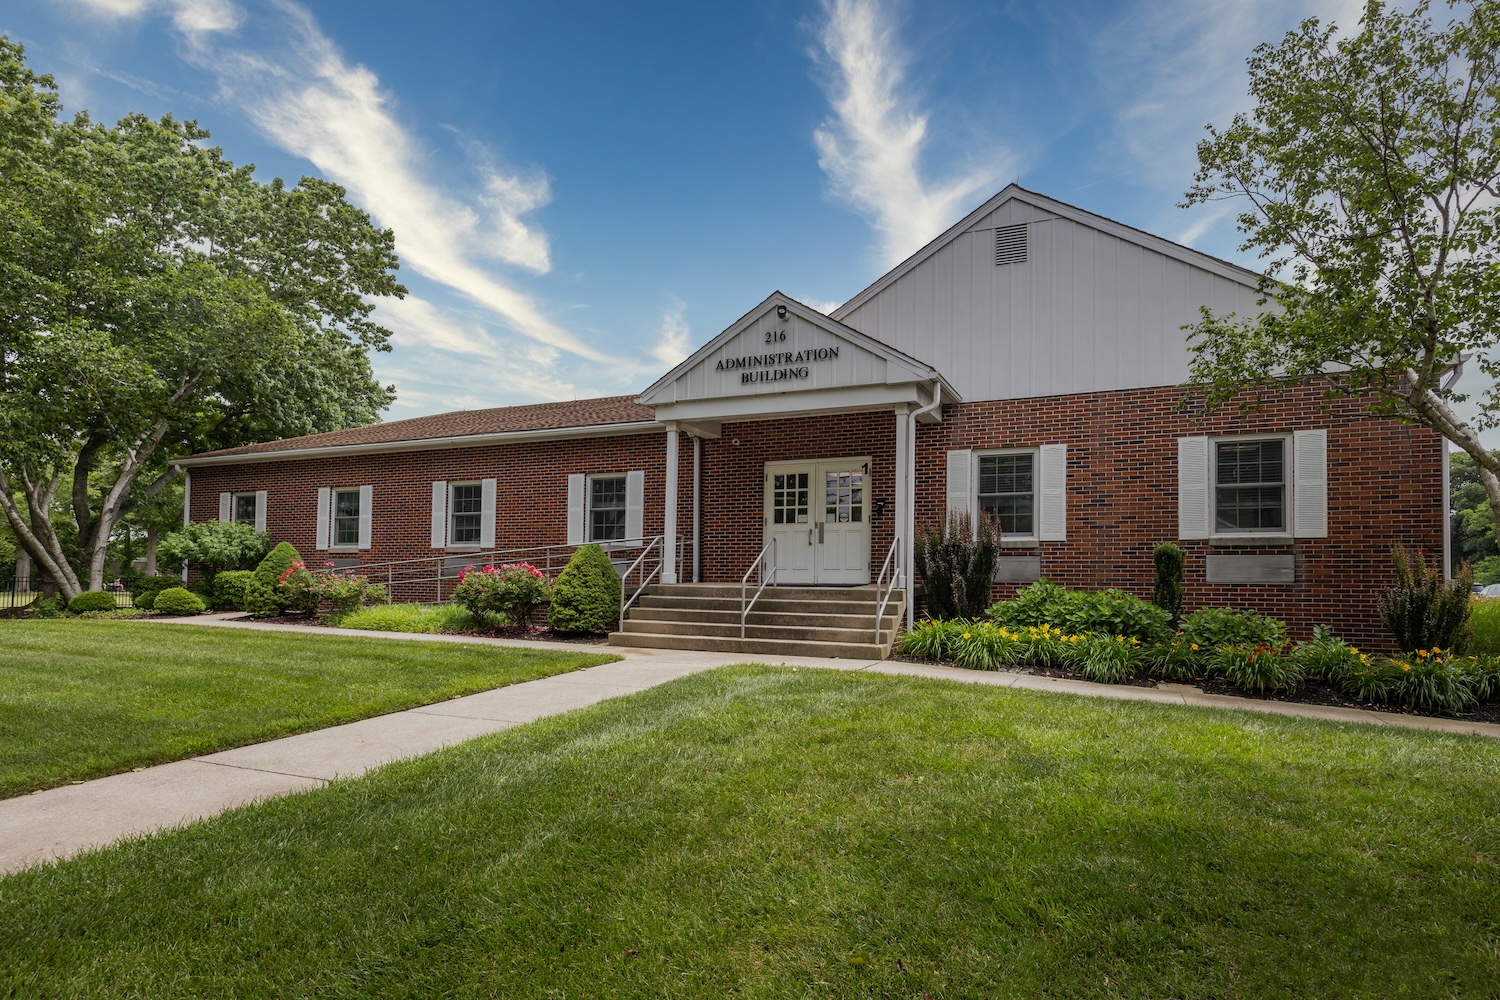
{"points": [[1091, 307], [801, 352]]}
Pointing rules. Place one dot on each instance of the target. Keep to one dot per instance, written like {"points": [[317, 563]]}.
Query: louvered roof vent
{"points": [[1010, 244]]}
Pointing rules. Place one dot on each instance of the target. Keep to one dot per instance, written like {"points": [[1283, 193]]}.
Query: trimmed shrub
{"points": [[1211, 628], [1166, 590], [229, 588], [957, 563], [179, 601], [586, 596], [1423, 610], [268, 574], [92, 600], [262, 601], [143, 589]]}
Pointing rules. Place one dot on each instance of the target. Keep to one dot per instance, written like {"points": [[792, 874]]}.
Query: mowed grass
{"points": [[80, 699], [768, 832]]}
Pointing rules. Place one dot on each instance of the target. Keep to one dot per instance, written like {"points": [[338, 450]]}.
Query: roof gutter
{"points": [[424, 444]]}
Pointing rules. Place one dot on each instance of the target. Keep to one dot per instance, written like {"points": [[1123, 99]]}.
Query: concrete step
{"points": [[865, 592], [789, 633], [758, 647], [866, 620], [767, 603]]}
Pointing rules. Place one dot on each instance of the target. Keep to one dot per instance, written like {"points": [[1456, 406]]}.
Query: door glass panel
{"points": [[843, 497], [789, 498]]}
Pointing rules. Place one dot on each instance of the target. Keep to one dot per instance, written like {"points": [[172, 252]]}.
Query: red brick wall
{"points": [[733, 483], [1384, 486], [531, 490]]}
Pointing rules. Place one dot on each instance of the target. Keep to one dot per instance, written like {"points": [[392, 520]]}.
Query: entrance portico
{"points": [[827, 416]]}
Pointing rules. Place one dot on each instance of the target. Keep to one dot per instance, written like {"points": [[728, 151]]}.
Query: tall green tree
{"points": [[156, 300], [1370, 173]]}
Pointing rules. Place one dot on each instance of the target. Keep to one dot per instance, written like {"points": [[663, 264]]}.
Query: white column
{"points": [[669, 532], [911, 519], [903, 493], [697, 505]]}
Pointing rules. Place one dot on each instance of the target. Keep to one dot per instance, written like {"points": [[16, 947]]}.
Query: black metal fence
{"points": [[19, 591]]}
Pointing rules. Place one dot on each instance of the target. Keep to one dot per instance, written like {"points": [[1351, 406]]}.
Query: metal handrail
{"points": [[646, 579], [765, 580], [893, 563]]}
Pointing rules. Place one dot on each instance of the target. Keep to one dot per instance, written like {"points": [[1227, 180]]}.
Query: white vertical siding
{"points": [[1086, 311]]}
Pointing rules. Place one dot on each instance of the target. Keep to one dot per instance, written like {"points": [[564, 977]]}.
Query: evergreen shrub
{"points": [[586, 596], [268, 575], [1423, 610], [229, 589], [143, 589], [92, 600], [179, 601], [1166, 591]]}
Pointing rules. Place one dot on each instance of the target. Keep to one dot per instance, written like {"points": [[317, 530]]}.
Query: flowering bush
{"points": [[1432, 679], [511, 590], [1258, 668], [306, 590]]}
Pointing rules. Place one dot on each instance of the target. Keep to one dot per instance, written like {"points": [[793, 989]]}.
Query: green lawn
{"points": [[771, 832], [83, 698]]}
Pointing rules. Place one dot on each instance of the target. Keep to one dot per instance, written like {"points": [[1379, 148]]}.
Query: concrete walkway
{"points": [[59, 822]]}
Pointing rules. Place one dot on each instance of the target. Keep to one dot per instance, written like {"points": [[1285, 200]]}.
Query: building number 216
{"points": [[775, 336]]}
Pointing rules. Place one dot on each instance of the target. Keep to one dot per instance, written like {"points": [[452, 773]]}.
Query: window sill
{"points": [[463, 548], [1020, 543], [1266, 539]]}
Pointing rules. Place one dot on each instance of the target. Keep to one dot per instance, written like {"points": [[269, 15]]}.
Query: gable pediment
{"points": [[766, 352]]}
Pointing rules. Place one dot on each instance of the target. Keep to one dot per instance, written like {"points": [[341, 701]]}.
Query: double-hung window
{"points": [[1250, 484], [465, 512], [606, 508], [245, 508], [1007, 491], [346, 518]]}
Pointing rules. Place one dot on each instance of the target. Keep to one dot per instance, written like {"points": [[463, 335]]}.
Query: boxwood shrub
{"points": [[143, 589], [586, 596], [179, 601], [230, 587], [92, 600]]}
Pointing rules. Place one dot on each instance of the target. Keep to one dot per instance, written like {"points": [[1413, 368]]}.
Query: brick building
{"points": [[1029, 363]]}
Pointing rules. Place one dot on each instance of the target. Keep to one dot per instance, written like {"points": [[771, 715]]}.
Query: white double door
{"points": [[819, 515]]}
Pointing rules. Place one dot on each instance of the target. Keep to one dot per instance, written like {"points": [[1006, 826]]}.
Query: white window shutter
{"points": [[960, 471], [322, 539], [439, 514], [1052, 525], [1192, 487], [487, 514], [260, 510], [366, 494], [1310, 484], [576, 487], [226, 507], [635, 504]]}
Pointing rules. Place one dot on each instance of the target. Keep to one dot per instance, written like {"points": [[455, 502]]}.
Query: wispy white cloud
{"points": [[675, 341], [871, 146], [311, 102]]}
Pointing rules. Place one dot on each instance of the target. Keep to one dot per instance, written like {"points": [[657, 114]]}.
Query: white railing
{"points": [[765, 579], [431, 578], [640, 566], [892, 565]]}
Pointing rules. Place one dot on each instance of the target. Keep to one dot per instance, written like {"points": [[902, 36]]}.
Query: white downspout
{"points": [[187, 512], [1447, 519]]}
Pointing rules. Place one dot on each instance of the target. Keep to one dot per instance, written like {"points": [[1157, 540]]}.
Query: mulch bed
{"points": [[1312, 692]]}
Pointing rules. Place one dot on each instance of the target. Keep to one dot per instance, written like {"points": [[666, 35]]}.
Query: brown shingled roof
{"points": [[462, 423]]}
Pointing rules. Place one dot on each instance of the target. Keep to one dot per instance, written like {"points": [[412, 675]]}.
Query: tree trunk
{"points": [[23, 567], [151, 533]]}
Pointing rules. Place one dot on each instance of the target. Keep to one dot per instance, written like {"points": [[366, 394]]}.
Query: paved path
{"points": [[62, 821]]}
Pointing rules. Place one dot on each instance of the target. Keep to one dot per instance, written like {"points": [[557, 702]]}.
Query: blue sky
{"points": [[583, 192]]}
